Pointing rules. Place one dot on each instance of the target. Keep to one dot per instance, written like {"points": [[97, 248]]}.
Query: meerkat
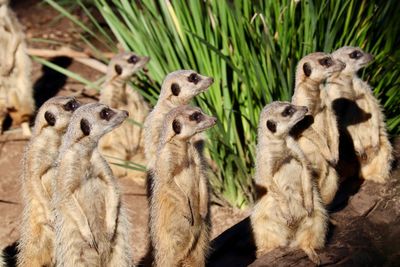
{"points": [[125, 142], [91, 224], [15, 70], [291, 213], [178, 89], [368, 133], [320, 142], [37, 235], [179, 219]]}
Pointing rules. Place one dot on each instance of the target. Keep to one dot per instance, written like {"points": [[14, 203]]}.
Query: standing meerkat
{"points": [[126, 142], [15, 71], [291, 213], [179, 210], [91, 225], [368, 134], [37, 233], [178, 89], [320, 142]]}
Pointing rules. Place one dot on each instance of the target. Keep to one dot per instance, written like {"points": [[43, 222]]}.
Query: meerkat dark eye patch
{"points": [[85, 126], [133, 59], [271, 125], [196, 116], [175, 89], [72, 105], [194, 78], [50, 118], [118, 69], [176, 126], [106, 114], [326, 61], [355, 54], [288, 111], [307, 69]]}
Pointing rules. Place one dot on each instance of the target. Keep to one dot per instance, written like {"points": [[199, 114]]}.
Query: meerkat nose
{"points": [[212, 80], [214, 119], [126, 113]]}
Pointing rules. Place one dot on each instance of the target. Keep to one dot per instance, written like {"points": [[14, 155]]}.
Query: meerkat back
{"points": [[126, 142], [16, 69], [37, 236], [91, 224], [179, 219]]}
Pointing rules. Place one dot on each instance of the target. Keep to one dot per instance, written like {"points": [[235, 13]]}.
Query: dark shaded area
{"points": [[10, 254], [235, 247], [51, 81], [365, 232], [7, 123]]}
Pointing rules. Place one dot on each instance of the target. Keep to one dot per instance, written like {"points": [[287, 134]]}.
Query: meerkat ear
{"points": [[307, 69], [176, 126], [50, 118], [175, 89], [85, 126], [118, 69], [271, 125]]}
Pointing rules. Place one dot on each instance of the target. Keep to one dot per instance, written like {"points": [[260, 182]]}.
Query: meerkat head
{"points": [[94, 120], [278, 118], [183, 122], [56, 113], [317, 67], [354, 58], [124, 65], [180, 87]]}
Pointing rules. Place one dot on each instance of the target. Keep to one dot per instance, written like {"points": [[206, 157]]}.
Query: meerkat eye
{"points": [[355, 54], [194, 78], [196, 116], [175, 89], [133, 59], [71, 105], [176, 126], [106, 114], [288, 111], [118, 69], [85, 126], [271, 125], [326, 61], [50, 118]]}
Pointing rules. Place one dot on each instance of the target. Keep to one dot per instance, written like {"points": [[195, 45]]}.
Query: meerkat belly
{"points": [[91, 199], [288, 179]]}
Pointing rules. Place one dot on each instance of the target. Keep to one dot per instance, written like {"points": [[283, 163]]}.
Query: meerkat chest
{"points": [[288, 179]]}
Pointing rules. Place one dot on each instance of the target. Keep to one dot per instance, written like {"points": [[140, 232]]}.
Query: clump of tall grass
{"points": [[251, 49]]}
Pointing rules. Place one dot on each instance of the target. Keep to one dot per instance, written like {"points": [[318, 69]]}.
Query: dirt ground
{"points": [[41, 21]]}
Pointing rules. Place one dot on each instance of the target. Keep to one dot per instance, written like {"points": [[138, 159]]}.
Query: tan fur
{"points": [[37, 233], [166, 102], [369, 136], [15, 71], [91, 224], [309, 92], [179, 211], [126, 142], [291, 213]]}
